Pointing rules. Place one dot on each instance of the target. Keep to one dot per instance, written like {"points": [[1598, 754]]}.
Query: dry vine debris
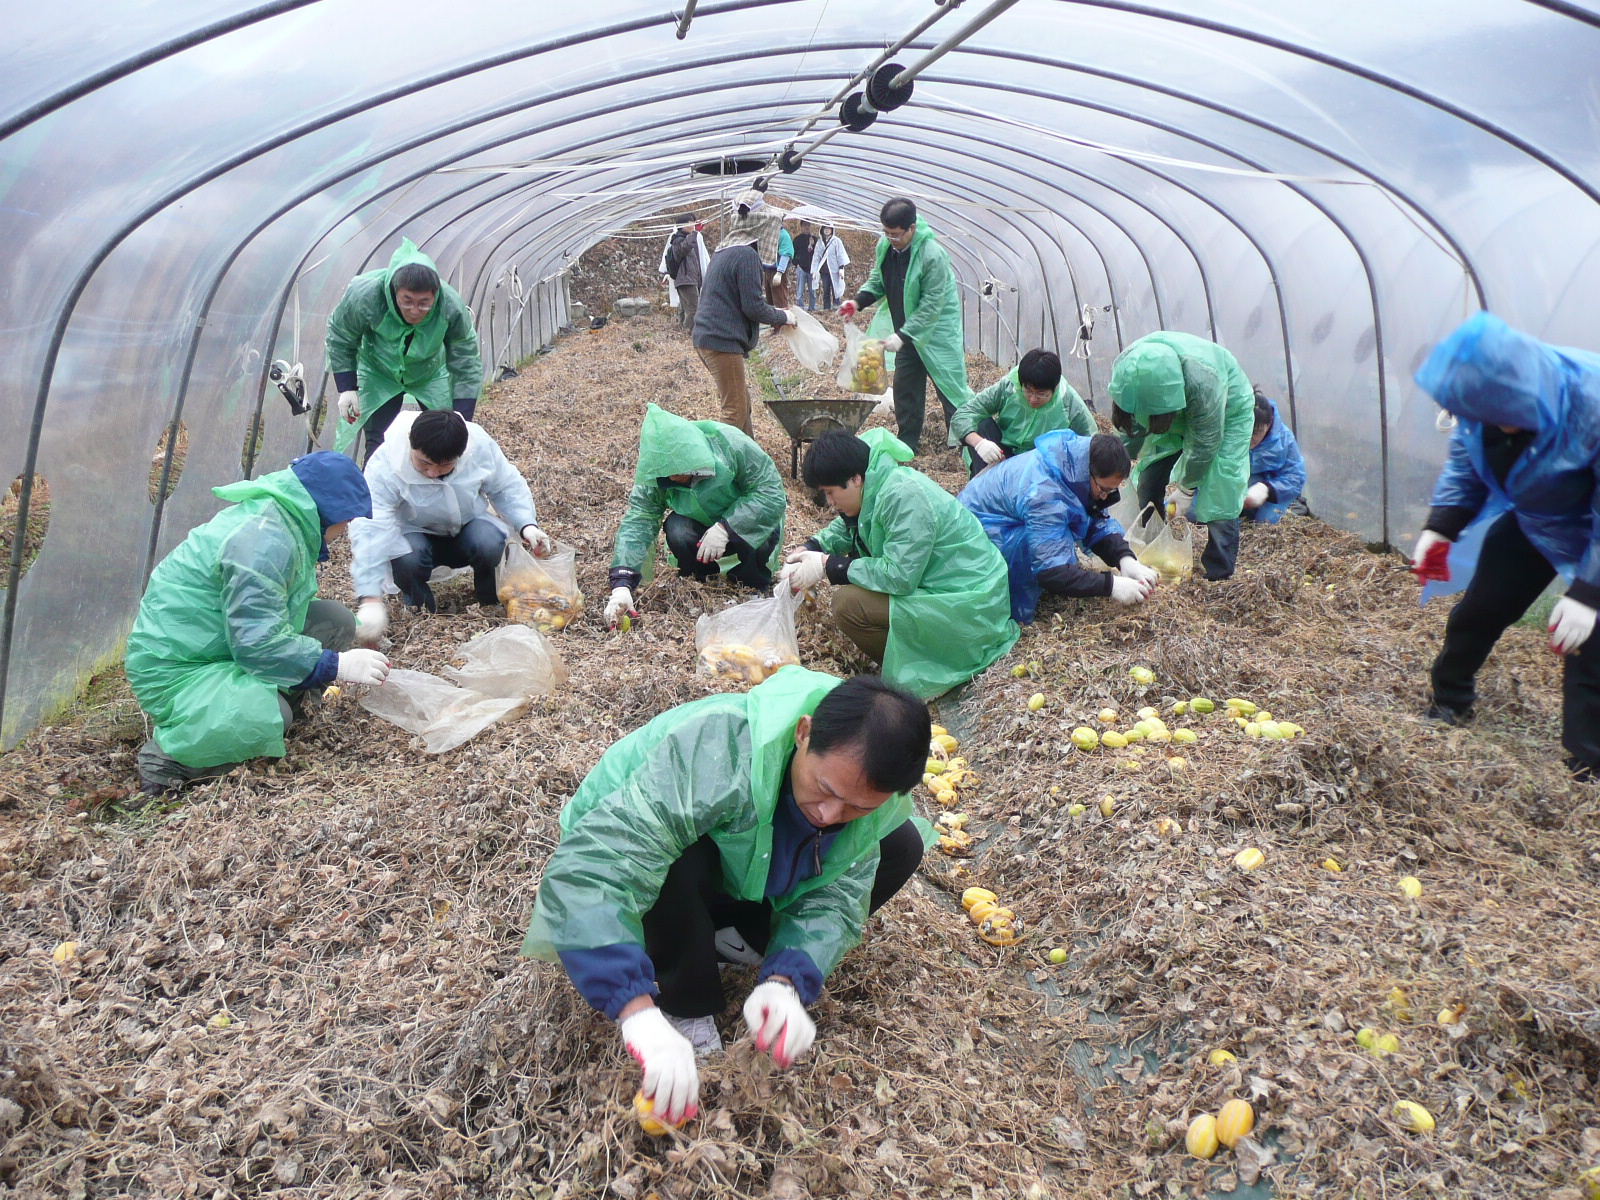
{"points": [[302, 980]]}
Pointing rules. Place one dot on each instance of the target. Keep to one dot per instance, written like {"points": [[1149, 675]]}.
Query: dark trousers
{"points": [[688, 304], [683, 539], [1510, 576], [478, 545], [829, 300], [1222, 541], [911, 396], [679, 928], [987, 428], [378, 423]]}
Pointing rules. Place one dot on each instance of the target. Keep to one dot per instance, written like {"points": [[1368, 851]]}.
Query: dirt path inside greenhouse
{"points": [[302, 980]]}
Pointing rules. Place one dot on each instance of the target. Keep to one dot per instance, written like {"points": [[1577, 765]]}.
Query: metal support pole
{"points": [[683, 21], [950, 43]]}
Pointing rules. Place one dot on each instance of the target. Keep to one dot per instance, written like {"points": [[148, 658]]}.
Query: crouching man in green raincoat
{"points": [[919, 585], [229, 623], [1009, 415], [920, 323], [722, 499], [760, 828], [1186, 412], [400, 332]]}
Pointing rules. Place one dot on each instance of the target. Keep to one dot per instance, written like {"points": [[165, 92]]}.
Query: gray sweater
{"points": [[732, 303]]}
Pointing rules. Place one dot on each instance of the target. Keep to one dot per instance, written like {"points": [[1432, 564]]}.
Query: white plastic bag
{"points": [[750, 641], [810, 341], [864, 367], [1170, 554], [441, 714], [512, 661], [542, 592]]}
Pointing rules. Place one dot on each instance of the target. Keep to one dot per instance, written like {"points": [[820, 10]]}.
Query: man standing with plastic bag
{"points": [[1007, 417], [719, 497], [1524, 474], [1277, 471], [919, 586], [432, 485], [758, 828], [920, 321], [1040, 506], [395, 333], [1186, 412], [682, 267], [230, 635]]}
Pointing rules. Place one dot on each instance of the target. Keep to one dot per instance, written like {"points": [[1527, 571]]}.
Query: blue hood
{"points": [[1064, 457], [1488, 372], [336, 485]]}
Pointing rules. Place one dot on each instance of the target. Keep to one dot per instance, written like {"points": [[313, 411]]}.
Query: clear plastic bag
{"points": [[542, 592], [810, 341], [1168, 552], [750, 641], [1125, 512], [863, 367], [441, 714], [512, 661]]}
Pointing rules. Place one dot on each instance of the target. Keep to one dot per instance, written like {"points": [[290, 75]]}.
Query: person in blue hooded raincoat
{"points": [[1523, 469], [1277, 470], [229, 631], [1039, 506]]}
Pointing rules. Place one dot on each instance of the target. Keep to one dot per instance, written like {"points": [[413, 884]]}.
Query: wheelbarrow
{"points": [[807, 420]]}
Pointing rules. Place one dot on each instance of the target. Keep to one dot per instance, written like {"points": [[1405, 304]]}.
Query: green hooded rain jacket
{"points": [[1020, 423], [933, 312]]}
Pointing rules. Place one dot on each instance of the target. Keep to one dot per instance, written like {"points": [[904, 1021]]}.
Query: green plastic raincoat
{"points": [[737, 482], [1201, 382], [434, 362], [949, 599], [933, 312], [713, 766], [218, 632], [1020, 423]]}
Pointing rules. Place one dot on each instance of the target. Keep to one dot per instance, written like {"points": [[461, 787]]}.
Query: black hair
{"points": [[1160, 422], [834, 459], [1263, 410], [440, 434], [1108, 457], [888, 726], [415, 277], [686, 218], [898, 213], [1040, 369], [1121, 418]]}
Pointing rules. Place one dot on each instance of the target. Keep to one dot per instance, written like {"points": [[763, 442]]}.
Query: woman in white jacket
{"points": [[432, 482], [828, 261]]}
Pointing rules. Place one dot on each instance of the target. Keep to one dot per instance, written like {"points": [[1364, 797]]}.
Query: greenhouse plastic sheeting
{"points": [[184, 195]]}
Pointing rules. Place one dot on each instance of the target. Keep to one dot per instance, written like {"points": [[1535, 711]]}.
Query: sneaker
{"points": [[1446, 714], [732, 947], [701, 1032]]}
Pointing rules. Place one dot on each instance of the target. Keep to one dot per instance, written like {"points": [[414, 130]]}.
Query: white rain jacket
{"points": [[404, 500]]}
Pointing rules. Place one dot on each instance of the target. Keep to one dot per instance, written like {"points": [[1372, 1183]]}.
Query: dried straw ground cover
{"points": [[302, 980]]}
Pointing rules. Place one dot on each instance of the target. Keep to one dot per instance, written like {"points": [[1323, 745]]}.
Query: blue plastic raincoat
{"points": [[1488, 373], [1277, 463], [1036, 509]]}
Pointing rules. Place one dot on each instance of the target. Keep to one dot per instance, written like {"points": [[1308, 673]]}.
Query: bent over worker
{"points": [[918, 586], [716, 493], [1277, 470], [760, 828], [1186, 412], [229, 634], [400, 332], [1009, 415], [1041, 505], [1524, 470]]}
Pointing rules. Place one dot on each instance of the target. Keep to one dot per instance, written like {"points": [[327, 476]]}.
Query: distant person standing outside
{"points": [[804, 242], [829, 258], [732, 309], [682, 267], [395, 333], [921, 323]]}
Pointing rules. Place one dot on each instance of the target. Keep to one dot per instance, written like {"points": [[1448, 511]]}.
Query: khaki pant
{"points": [[863, 617], [777, 293], [732, 387]]}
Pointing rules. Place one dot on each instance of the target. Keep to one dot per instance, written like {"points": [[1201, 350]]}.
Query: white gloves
{"points": [[1257, 495], [538, 541], [667, 1058], [777, 278], [1176, 491], [621, 602], [848, 309], [893, 342], [350, 406], [362, 666], [1571, 623], [1129, 591], [714, 544], [804, 569], [779, 1021], [990, 452], [794, 317], [1132, 568], [372, 618]]}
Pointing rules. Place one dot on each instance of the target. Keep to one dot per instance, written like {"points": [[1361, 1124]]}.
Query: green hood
{"points": [[285, 489], [406, 254], [671, 445], [1147, 379], [887, 450]]}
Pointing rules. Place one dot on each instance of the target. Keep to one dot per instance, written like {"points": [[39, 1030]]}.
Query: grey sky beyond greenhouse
{"points": [[186, 188]]}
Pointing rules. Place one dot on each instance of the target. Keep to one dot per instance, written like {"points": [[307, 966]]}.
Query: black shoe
{"points": [[1446, 714]]}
